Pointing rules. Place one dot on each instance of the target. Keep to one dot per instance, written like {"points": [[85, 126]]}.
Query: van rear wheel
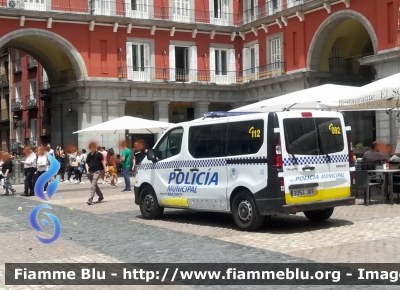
{"points": [[149, 204], [245, 212], [319, 215]]}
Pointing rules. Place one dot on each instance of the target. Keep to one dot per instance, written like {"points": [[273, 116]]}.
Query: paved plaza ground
{"points": [[113, 231]]}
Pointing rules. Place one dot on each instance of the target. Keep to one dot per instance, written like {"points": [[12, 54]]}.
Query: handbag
{"points": [[74, 164]]}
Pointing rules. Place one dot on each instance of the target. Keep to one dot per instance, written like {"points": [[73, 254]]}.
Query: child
{"points": [[112, 167]]}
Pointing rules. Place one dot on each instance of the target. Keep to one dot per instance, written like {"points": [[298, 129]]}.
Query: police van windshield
{"points": [[313, 136]]}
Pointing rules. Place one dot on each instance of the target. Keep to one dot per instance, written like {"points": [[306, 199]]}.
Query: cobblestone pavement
{"points": [[113, 231]]}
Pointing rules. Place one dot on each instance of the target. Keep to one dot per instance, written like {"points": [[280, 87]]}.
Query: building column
{"points": [[200, 108], [161, 111], [89, 114], [56, 126]]}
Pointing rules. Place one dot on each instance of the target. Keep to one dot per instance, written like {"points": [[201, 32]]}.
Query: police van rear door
{"points": [[315, 157]]}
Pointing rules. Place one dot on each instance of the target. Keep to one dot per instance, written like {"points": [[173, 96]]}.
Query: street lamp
{"points": [[19, 124]]}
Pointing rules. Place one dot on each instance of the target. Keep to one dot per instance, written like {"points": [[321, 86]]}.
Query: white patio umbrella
{"points": [[380, 95], [133, 124], [311, 98]]}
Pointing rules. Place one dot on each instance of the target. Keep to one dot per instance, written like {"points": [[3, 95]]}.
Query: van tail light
{"points": [[306, 114], [353, 178], [282, 184], [350, 145], [278, 153]]}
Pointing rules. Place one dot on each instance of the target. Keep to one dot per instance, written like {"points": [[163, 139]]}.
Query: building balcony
{"points": [[220, 77], [31, 62], [135, 10], [4, 81], [31, 102], [17, 66], [16, 105]]}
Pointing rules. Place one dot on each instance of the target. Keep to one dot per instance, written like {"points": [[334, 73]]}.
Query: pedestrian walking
{"points": [[72, 164], [7, 170], [94, 165], [126, 158], [42, 164], [30, 169], [112, 167]]}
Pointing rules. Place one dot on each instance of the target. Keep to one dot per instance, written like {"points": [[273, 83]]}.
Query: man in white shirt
{"points": [[51, 151], [30, 168]]}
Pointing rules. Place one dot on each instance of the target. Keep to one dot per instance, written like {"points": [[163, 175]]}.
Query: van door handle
{"points": [[177, 169], [308, 168], [194, 169]]}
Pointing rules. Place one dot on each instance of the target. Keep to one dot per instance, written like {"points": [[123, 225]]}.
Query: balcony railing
{"points": [[17, 66], [31, 102], [221, 17], [16, 105], [31, 62], [4, 82], [341, 65], [151, 74]]}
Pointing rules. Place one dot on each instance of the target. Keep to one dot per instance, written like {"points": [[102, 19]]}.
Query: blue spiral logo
{"points": [[51, 190], [35, 225], [45, 177]]}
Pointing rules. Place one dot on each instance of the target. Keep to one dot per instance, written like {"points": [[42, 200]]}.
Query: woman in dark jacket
{"points": [[7, 170], [61, 160]]}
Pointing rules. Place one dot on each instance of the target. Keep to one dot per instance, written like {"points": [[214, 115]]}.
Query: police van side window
{"points": [[170, 145], [208, 141], [245, 137]]}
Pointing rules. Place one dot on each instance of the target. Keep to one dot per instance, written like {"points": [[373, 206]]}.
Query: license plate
{"points": [[302, 192]]}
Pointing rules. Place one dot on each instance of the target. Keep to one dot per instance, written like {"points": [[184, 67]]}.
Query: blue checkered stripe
{"points": [[321, 159], [217, 162]]}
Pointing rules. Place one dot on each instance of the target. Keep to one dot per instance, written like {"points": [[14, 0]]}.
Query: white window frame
{"points": [[251, 72], [18, 134], [224, 12], [32, 89], [104, 7], [34, 125], [144, 72], [250, 11], [35, 5], [182, 11], [17, 92], [144, 9], [230, 76], [272, 9], [192, 61], [275, 56], [293, 3]]}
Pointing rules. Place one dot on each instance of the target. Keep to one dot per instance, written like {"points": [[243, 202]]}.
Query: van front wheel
{"points": [[149, 204], [245, 213], [319, 215]]}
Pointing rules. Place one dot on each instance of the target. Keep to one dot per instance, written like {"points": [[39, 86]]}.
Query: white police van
{"points": [[250, 164]]}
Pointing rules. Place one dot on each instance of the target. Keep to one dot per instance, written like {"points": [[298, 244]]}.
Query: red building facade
{"points": [[173, 60]]}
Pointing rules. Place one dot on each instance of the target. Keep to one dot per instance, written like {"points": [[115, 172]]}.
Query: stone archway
{"points": [[27, 39], [324, 30]]}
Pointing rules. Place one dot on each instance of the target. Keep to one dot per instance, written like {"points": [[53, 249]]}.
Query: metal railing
{"points": [[16, 105], [17, 66], [341, 65], [4, 81], [221, 17], [31, 62], [31, 102], [223, 77]]}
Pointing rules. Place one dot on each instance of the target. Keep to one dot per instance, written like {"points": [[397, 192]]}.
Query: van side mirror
{"points": [[151, 155]]}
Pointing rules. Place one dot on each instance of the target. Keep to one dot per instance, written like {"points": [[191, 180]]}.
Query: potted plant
{"points": [[360, 149]]}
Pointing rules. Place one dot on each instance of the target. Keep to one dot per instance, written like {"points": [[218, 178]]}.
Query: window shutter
{"points": [[212, 64], [232, 66], [129, 61], [33, 94], [211, 4], [256, 59], [245, 61], [172, 63], [193, 64], [147, 66], [128, 8]]}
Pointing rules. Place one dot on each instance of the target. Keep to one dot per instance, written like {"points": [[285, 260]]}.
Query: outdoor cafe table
{"points": [[389, 173]]}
